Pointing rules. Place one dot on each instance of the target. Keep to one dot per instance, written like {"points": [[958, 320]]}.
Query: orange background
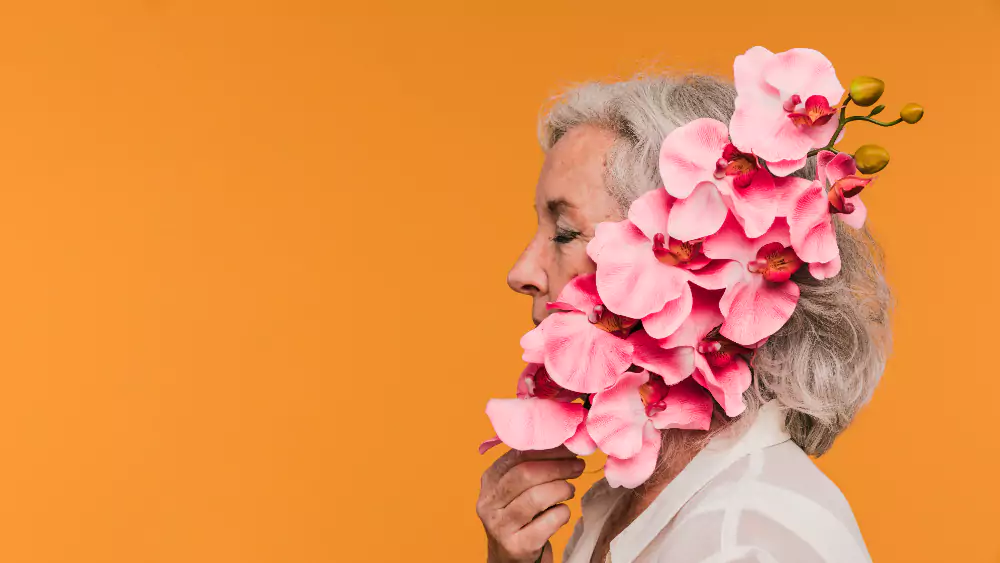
{"points": [[254, 256]]}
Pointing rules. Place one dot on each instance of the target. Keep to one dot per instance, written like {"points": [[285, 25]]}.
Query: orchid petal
{"points": [[664, 322], [534, 424], [617, 416], [756, 308], [699, 215], [672, 364], [824, 270], [488, 444], [634, 283], [533, 343], [634, 471], [581, 443], [689, 153], [726, 384], [786, 167], [688, 407], [581, 357], [811, 231], [650, 213]]}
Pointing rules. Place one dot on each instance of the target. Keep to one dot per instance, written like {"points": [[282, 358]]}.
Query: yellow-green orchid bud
{"points": [[871, 158], [866, 90], [911, 113]]}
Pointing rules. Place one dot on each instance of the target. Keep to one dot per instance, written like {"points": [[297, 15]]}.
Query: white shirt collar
{"points": [[766, 430]]}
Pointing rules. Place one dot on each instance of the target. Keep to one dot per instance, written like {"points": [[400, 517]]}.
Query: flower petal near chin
{"points": [[581, 357], [534, 424], [688, 407], [634, 283], [650, 213], [617, 416], [810, 228], [700, 214], [665, 321], [672, 364], [689, 153], [488, 444], [726, 383], [634, 471], [533, 343], [580, 293], [755, 309], [581, 443], [825, 270]]}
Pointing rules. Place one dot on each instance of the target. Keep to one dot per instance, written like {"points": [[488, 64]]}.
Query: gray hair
{"points": [[823, 365]]}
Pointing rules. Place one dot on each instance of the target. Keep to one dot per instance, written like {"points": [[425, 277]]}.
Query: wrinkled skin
{"points": [[521, 495]]}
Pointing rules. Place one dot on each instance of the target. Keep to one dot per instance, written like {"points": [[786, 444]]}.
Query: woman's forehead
{"points": [[572, 176]]}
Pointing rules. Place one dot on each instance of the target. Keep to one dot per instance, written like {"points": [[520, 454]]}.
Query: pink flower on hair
{"points": [[582, 344], [763, 297], [710, 176], [643, 272], [784, 105], [542, 416], [625, 422], [835, 192], [720, 365]]}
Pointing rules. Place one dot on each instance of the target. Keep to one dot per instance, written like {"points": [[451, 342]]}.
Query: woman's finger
{"points": [[533, 502], [528, 474], [534, 535]]}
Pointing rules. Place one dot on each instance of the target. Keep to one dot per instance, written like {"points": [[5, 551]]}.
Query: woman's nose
{"points": [[527, 276]]}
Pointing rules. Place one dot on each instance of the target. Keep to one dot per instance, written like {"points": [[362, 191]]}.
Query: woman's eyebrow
{"points": [[558, 206]]}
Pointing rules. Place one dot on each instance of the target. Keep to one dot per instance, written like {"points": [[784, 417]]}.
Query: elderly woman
{"points": [[746, 490]]}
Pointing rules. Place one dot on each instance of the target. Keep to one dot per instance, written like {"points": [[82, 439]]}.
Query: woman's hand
{"points": [[519, 502]]}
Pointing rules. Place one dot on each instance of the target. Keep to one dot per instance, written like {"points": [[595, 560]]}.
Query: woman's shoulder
{"points": [[774, 501]]}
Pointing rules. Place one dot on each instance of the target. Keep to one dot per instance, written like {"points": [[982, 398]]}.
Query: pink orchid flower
{"points": [[710, 176], [583, 345], [542, 416], [625, 422], [643, 272], [771, 120], [720, 365], [763, 297], [835, 192]]}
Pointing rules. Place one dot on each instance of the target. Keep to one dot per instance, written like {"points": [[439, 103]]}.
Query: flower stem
{"points": [[840, 127], [875, 121]]}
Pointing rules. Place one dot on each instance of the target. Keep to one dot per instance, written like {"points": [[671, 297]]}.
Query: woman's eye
{"points": [[564, 236]]}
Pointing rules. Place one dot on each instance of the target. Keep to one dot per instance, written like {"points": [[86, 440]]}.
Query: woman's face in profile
{"points": [[570, 200]]}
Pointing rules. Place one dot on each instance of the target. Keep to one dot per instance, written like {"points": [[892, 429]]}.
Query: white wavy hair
{"points": [[824, 364]]}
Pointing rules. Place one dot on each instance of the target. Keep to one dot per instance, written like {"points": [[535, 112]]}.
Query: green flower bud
{"points": [[878, 109], [871, 158], [866, 90], [911, 113]]}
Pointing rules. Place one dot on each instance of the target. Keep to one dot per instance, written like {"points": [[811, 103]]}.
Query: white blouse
{"points": [[751, 498]]}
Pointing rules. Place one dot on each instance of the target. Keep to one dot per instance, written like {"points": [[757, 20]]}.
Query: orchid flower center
{"points": [[817, 111], [653, 393], [738, 164], [846, 187], [607, 321], [720, 352], [791, 102], [775, 262], [675, 252], [542, 386]]}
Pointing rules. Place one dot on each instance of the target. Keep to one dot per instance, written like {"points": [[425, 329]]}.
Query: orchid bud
{"points": [[866, 90], [871, 158], [876, 110], [911, 113]]}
